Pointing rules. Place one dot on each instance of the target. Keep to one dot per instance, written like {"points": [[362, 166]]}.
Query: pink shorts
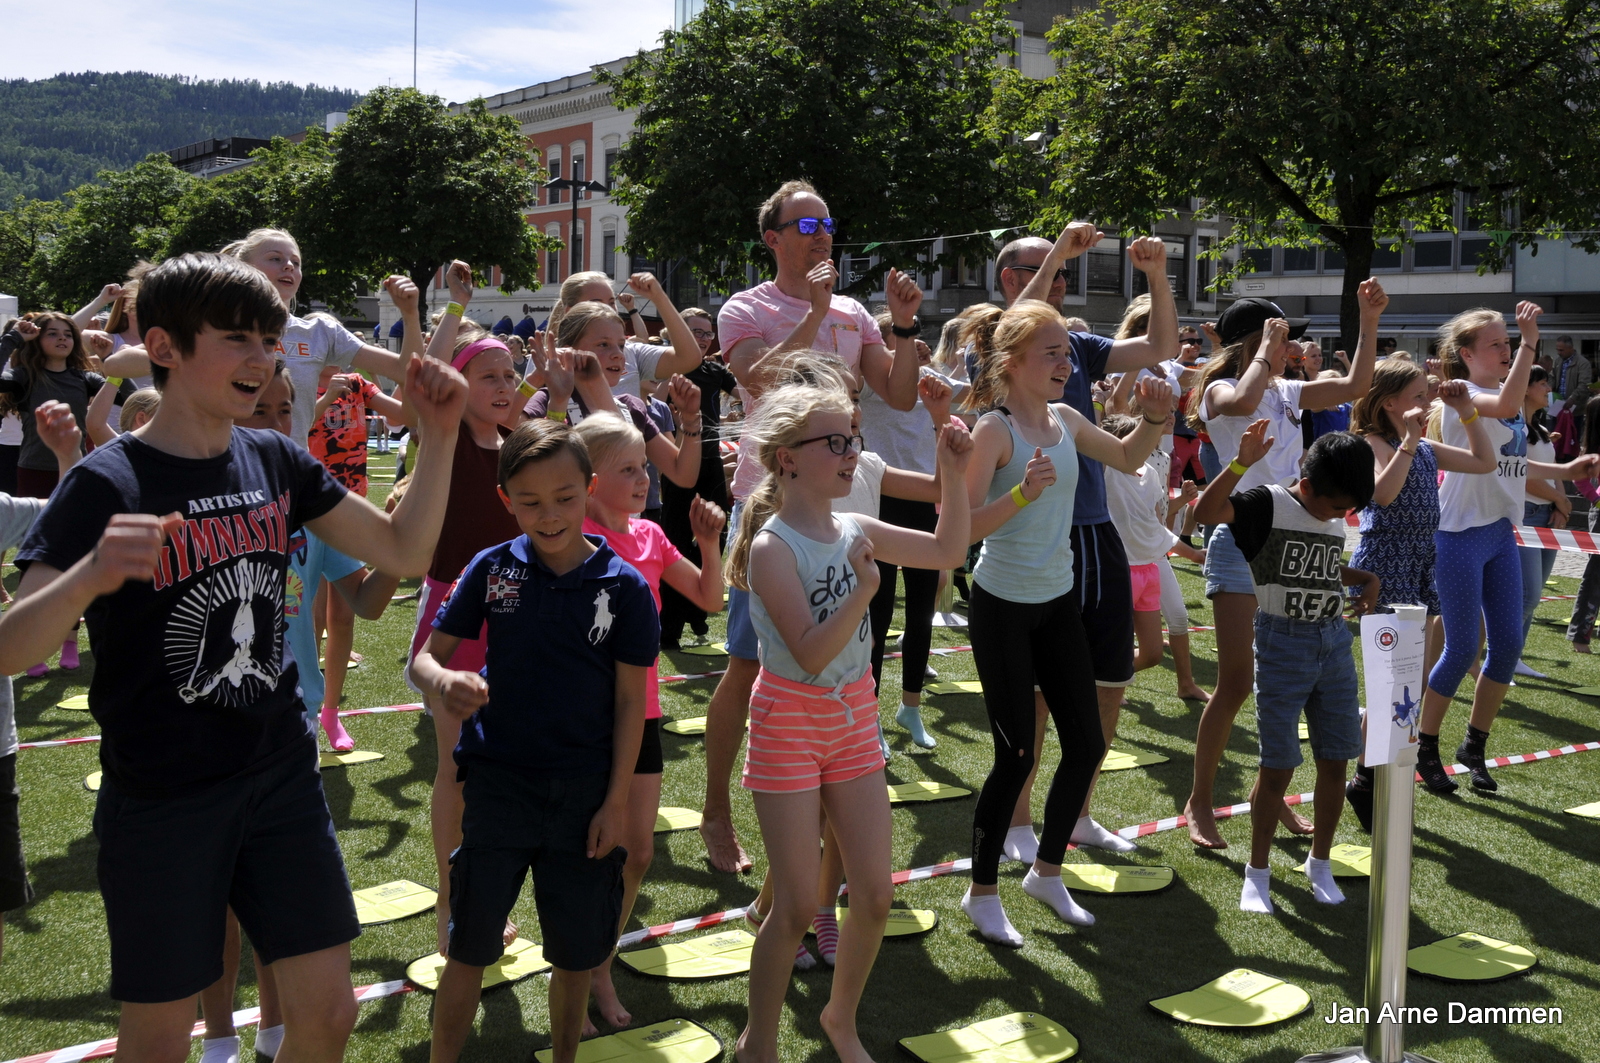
{"points": [[469, 656], [1146, 588], [802, 737]]}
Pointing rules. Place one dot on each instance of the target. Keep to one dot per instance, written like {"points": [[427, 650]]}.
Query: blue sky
{"points": [[467, 47]]}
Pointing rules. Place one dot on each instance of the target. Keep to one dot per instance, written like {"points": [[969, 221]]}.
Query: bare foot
{"points": [[1203, 827], [589, 1028], [605, 997], [722, 846], [1294, 821], [509, 934], [743, 1053], [1193, 692], [843, 1035]]}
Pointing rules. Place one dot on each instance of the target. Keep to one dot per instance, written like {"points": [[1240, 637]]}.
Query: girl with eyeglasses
{"points": [[1026, 627], [813, 748]]}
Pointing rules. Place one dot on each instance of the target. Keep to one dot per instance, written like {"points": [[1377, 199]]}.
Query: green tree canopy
{"points": [[1312, 122], [878, 105]]}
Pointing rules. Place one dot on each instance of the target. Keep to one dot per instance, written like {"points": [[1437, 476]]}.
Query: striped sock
{"points": [[826, 927]]}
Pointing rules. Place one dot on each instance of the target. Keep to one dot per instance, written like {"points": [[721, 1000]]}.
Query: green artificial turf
{"points": [[1511, 866]]}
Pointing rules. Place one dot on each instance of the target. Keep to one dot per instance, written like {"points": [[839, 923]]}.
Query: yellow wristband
{"points": [[526, 390], [114, 381], [1468, 420], [1019, 498], [455, 309], [1237, 469], [555, 415]]}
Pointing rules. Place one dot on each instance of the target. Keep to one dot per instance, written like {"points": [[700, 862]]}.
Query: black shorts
{"points": [[651, 761], [170, 868], [1104, 590], [513, 823], [15, 890]]}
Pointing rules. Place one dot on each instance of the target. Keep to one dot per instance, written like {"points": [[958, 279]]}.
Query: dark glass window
{"points": [[1431, 254], [1299, 260], [1386, 256], [1105, 267], [1260, 259]]}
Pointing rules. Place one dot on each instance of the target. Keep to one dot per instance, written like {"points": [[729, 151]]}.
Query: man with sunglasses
{"points": [[1034, 268], [795, 311]]}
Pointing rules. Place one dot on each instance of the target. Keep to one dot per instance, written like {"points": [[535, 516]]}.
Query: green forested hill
{"points": [[58, 132]]}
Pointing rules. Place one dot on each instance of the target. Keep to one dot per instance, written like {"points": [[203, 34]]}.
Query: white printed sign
{"points": [[1392, 656]]}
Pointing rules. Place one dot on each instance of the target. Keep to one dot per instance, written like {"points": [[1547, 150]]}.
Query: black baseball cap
{"points": [[1249, 315]]}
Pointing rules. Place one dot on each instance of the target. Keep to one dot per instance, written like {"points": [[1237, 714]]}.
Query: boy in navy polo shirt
{"points": [[547, 757], [172, 542]]}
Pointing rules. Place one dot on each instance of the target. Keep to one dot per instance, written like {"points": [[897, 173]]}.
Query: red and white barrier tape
{"points": [[1570, 539], [107, 1047], [52, 743]]}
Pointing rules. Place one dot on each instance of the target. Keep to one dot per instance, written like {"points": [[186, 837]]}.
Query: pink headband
{"points": [[475, 348]]}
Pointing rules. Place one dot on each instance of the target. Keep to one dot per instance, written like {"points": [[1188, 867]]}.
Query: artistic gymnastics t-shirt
{"points": [[190, 686]]}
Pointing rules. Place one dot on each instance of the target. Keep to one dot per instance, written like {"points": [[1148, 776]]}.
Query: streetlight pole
{"points": [[577, 186]]}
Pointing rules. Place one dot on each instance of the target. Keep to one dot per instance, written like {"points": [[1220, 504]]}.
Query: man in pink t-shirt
{"points": [[797, 311]]}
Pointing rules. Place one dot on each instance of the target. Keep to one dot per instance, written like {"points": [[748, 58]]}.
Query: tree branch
{"points": [[1413, 193], [1296, 202]]}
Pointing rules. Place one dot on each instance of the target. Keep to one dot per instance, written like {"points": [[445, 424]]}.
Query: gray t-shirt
{"points": [[307, 346], [75, 387], [16, 517]]}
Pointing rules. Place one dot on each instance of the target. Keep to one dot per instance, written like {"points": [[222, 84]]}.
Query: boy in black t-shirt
{"points": [[172, 542], [1293, 538], [547, 754]]}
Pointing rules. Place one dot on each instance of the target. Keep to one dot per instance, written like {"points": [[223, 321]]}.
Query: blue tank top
{"points": [[1029, 557]]}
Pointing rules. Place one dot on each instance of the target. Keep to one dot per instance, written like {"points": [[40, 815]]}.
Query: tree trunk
{"points": [[422, 276], [1358, 248]]}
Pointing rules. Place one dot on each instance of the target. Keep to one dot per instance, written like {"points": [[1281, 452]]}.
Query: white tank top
{"points": [[827, 578]]}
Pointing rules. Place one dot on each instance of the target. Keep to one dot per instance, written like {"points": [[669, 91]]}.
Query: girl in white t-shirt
{"points": [[1476, 548], [1236, 389]]}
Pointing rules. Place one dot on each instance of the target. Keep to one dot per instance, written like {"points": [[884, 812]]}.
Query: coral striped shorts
{"points": [[802, 736]]}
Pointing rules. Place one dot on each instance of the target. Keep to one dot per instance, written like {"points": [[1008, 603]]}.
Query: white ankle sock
{"points": [[1323, 888], [1087, 832], [220, 1050], [1053, 892], [989, 916], [1021, 844], [1257, 893], [268, 1040]]}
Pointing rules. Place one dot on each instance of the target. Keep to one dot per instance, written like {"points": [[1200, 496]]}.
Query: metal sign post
{"points": [[1392, 655]]}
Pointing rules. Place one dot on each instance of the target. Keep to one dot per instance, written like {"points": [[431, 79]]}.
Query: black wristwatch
{"points": [[910, 332], [629, 312]]}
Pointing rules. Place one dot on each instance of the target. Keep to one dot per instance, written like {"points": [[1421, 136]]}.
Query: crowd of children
{"points": [[207, 549]]}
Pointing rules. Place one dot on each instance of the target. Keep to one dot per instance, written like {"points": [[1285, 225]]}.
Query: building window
{"points": [[1472, 251], [1432, 254], [611, 165], [552, 266], [1386, 256], [608, 253], [1332, 260], [576, 251], [1177, 269], [1258, 258], [577, 174], [1105, 267], [555, 174], [1299, 260], [1204, 270], [965, 273]]}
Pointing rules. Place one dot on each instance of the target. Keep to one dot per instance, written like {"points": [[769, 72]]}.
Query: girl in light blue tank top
{"points": [[1026, 628], [812, 574]]}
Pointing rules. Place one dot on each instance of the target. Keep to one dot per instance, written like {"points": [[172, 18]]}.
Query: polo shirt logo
{"points": [[502, 589], [602, 617]]}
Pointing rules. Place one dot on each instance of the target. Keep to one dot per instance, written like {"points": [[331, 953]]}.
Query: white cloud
{"points": [[464, 49]]}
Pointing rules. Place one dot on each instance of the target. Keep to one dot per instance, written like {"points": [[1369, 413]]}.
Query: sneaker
{"points": [[1524, 670], [928, 672], [1360, 797], [670, 644], [1431, 768], [1473, 759]]}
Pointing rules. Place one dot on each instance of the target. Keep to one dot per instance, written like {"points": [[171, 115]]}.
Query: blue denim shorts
{"points": [[1227, 572], [741, 632], [1305, 664]]}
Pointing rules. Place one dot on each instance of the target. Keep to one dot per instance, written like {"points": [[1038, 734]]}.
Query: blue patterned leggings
{"points": [[1479, 574]]}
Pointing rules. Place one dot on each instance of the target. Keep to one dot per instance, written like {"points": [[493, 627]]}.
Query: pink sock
{"points": [[826, 927], [69, 654], [41, 669], [338, 737]]}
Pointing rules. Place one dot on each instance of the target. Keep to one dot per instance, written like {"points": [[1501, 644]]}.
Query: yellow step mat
{"points": [[1470, 958], [1588, 811], [669, 819], [1241, 997], [91, 782], [392, 900], [1124, 878], [714, 649], [903, 792], [76, 703], [713, 956], [961, 686], [690, 725], [1348, 861], [673, 1041], [1121, 760], [520, 960], [903, 922], [1021, 1037], [327, 759]]}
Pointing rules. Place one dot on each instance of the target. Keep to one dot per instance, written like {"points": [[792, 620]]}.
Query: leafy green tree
{"points": [[1309, 122], [411, 186], [109, 226], [25, 230], [878, 105]]}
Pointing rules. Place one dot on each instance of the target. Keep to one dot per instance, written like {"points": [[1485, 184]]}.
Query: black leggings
{"points": [[676, 610], [922, 587], [1016, 646]]}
